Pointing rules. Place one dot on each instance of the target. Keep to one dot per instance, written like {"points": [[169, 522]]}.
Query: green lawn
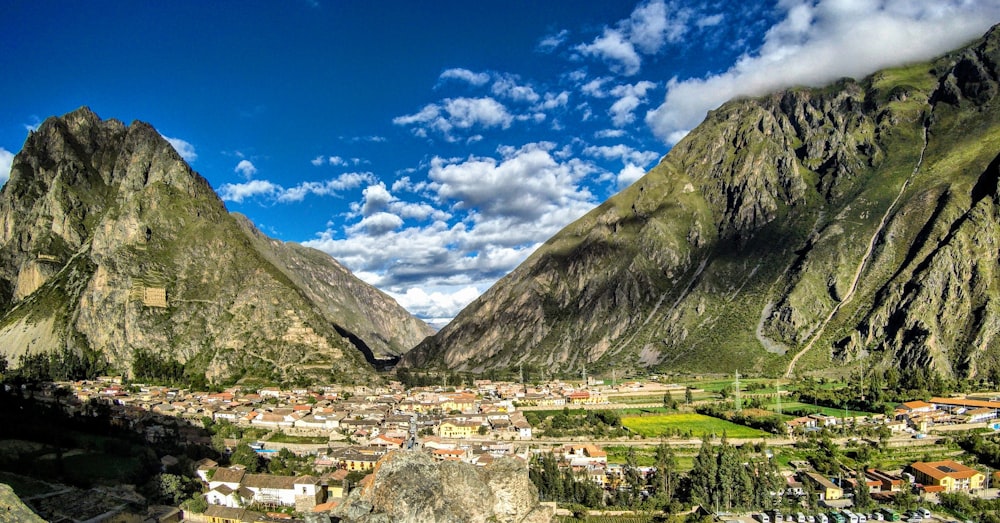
{"points": [[696, 425]]}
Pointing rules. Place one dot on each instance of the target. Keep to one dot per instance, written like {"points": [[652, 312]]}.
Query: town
{"points": [[636, 448]]}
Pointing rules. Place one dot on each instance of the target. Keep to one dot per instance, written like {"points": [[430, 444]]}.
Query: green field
{"points": [[302, 440], [787, 406], [696, 425]]}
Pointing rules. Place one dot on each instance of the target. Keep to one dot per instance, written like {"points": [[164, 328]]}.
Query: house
{"points": [[451, 455], [584, 455], [947, 475], [233, 487], [910, 408], [385, 442], [353, 460], [457, 429], [335, 484], [980, 415], [824, 487], [886, 482], [224, 496], [824, 420], [219, 514], [203, 466], [522, 426], [801, 423], [229, 476]]}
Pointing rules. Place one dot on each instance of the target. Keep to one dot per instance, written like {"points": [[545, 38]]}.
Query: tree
{"points": [[246, 456], [196, 503], [668, 401], [862, 497], [665, 464], [172, 489], [702, 475]]}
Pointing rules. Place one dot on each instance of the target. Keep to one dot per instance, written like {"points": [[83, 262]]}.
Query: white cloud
{"points": [[553, 101], [499, 210], [237, 192], [440, 304], [246, 168], [595, 87], [622, 152], [647, 30], [378, 224], [550, 42], [183, 148], [465, 75], [820, 41], [710, 21], [527, 183], [650, 28], [376, 198], [629, 174], [336, 161], [6, 160], [615, 50], [629, 97], [507, 86], [609, 133], [457, 113]]}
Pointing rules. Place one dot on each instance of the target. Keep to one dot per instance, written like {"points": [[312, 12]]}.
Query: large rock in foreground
{"points": [[412, 487]]}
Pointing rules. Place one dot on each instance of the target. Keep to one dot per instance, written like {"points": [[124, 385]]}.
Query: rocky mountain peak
{"points": [[111, 245], [809, 229]]}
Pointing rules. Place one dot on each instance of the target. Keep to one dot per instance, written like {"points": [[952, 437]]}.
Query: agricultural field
{"points": [[687, 425], [789, 406]]}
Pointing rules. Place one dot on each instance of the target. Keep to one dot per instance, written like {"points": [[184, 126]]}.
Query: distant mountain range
{"points": [[111, 246], [851, 226]]}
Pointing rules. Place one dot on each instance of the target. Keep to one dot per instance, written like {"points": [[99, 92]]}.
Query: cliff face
{"points": [[412, 487], [109, 244], [807, 229]]}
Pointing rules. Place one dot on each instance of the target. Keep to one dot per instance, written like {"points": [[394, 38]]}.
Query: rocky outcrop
{"points": [[410, 487], [13, 510], [111, 244], [850, 226]]}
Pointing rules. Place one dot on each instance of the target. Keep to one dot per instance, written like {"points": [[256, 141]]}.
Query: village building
{"points": [[825, 488], [947, 476]]}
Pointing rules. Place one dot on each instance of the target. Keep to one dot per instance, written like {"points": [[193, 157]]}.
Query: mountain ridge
{"points": [[795, 220], [111, 244]]}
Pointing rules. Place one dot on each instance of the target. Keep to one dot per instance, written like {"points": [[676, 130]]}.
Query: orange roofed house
{"points": [[947, 476]]}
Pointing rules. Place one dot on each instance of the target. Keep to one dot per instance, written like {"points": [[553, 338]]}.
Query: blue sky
{"points": [[432, 146]]}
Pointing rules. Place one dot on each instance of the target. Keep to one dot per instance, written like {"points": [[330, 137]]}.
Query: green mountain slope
{"points": [[110, 244], [808, 229]]}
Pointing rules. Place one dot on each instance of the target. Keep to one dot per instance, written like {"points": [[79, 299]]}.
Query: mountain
{"points": [[111, 247], [855, 225]]}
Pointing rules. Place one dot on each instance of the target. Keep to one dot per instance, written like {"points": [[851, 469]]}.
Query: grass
{"points": [[302, 440], [696, 425], [787, 406]]}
